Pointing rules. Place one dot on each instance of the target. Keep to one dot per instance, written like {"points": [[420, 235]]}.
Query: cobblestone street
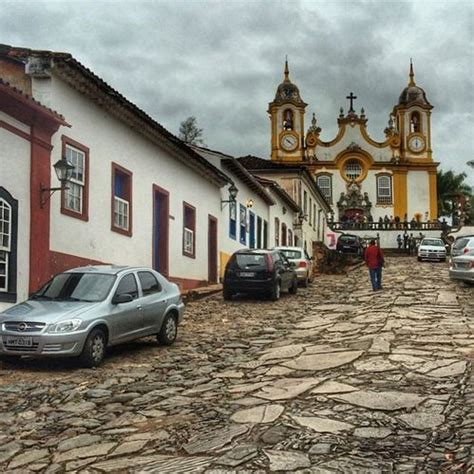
{"points": [[336, 379]]}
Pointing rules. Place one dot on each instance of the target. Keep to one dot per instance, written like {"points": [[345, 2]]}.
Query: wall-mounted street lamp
{"points": [[233, 191], [63, 169], [249, 203], [299, 222]]}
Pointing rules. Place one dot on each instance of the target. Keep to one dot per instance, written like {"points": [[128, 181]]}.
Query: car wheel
{"points": [[168, 331], [419, 259], [94, 349], [294, 287], [275, 291], [443, 260], [227, 294], [305, 282]]}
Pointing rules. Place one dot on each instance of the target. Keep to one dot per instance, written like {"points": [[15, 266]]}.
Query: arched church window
{"points": [[353, 169], [415, 123], [277, 232], [288, 119], [8, 245], [384, 189], [324, 183]]}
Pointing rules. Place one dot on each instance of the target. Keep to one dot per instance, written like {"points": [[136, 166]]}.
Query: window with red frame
{"points": [[121, 200], [189, 230], [74, 199]]}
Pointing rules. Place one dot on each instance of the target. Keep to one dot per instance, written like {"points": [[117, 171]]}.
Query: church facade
{"points": [[362, 179]]}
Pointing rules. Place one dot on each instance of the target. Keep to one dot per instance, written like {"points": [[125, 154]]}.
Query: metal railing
{"points": [[412, 225]]}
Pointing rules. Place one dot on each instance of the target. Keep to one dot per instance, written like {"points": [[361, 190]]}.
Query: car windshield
{"points": [[291, 254], [250, 260], [433, 242], [347, 237], [90, 287]]}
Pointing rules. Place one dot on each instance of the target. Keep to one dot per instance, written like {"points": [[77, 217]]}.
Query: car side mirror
{"points": [[123, 298]]}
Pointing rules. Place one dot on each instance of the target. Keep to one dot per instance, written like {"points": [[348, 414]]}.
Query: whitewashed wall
{"points": [[353, 134], [15, 157], [229, 245], [418, 193], [109, 140]]}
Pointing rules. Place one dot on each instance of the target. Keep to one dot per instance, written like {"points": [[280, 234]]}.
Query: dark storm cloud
{"points": [[222, 60]]}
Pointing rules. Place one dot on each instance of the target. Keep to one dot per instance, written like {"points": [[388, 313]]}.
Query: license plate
{"points": [[18, 341], [246, 274]]}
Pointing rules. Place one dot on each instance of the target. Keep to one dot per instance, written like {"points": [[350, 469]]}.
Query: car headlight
{"points": [[69, 325]]}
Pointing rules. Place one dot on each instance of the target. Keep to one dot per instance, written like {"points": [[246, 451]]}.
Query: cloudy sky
{"points": [[221, 61]]}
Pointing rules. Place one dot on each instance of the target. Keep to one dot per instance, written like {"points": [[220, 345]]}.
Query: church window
{"points": [[189, 230], [415, 123], [290, 237], [8, 246], [122, 200], [75, 195], [384, 189], [233, 220], [288, 119], [353, 169], [324, 183], [243, 224], [305, 203], [277, 232]]}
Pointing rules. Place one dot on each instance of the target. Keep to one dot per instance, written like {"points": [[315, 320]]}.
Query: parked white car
{"points": [[462, 267], [432, 249], [302, 262]]}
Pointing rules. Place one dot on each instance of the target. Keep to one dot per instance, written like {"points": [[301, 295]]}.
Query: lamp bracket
{"points": [[44, 199]]}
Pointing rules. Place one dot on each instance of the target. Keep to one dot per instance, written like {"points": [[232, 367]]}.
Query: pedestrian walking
{"points": [[375, 261], [405, 240], [411, 244], [399, 241]]}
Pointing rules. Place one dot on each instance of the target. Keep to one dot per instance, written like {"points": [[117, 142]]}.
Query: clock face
{"points": [[416, 144], [289, 142]]}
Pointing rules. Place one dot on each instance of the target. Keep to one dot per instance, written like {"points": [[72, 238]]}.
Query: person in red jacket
{"points": [[374, 260]]}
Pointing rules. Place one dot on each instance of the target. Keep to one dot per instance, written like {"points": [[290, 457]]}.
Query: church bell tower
{"points": [[287, 121], [413, 118]]}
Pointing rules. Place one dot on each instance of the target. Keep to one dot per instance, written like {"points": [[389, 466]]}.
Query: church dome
{"points": [[413, 94], [287, 91]]}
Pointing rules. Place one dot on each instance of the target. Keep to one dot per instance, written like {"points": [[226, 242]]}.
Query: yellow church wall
{"points": [[400, 194], [433, 195]]}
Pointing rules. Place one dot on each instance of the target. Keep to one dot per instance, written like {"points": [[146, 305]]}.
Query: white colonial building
{"points": [[311, 223], [262, 216], [138, 195]]}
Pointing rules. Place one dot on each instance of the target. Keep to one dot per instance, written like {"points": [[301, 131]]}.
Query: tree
{"points": [[451, 187], [190, 133]]}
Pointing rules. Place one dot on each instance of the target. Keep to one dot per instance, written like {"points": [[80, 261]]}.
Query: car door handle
{"points": [[139, 307]]}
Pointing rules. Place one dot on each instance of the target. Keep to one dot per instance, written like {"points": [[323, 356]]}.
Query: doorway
{"points": [[160, 230], [212, 249]]}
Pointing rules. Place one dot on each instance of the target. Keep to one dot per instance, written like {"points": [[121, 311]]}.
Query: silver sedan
{"points": [[83, 311]]}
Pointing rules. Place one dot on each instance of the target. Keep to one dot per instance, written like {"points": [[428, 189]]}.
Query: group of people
{"points": [[361, 221], [409, 242]]}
